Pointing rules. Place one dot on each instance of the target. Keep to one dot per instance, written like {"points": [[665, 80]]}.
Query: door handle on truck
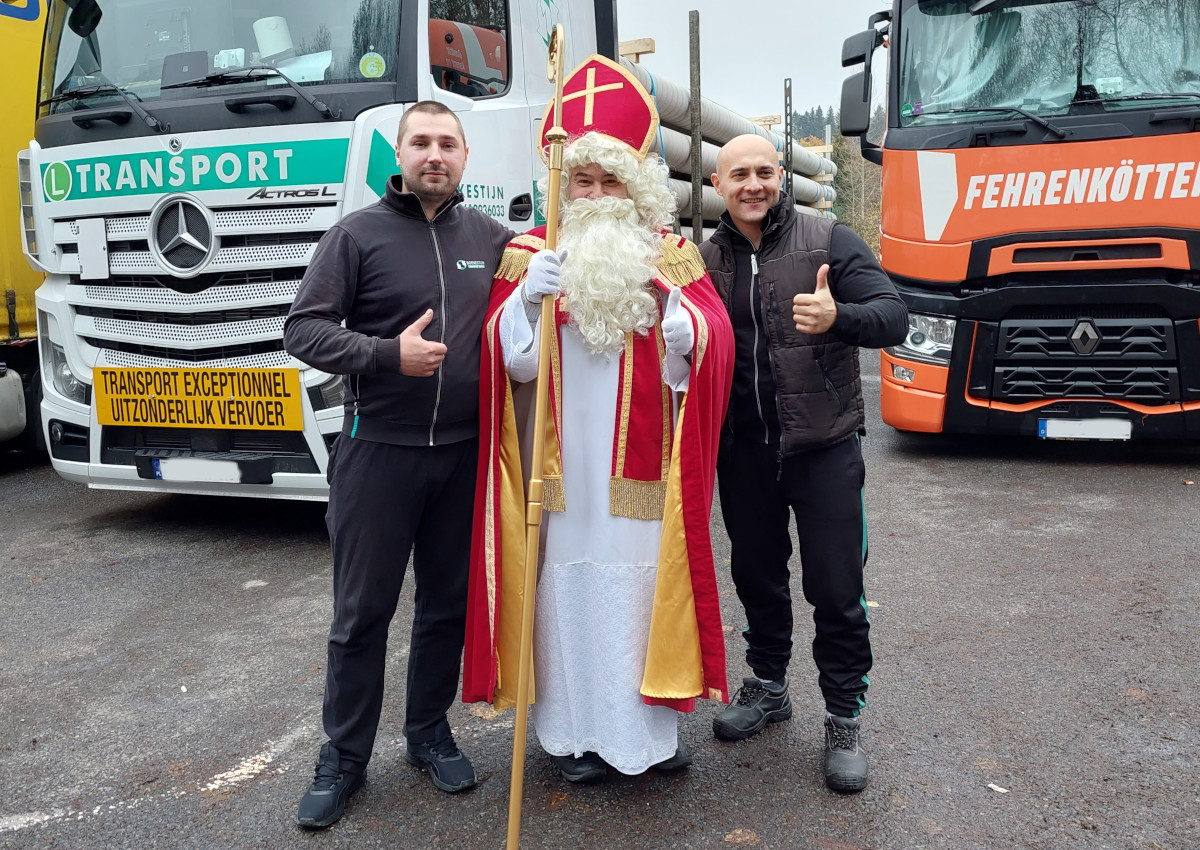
{"points": [[117, 116], [282, 102], [521, 208]]}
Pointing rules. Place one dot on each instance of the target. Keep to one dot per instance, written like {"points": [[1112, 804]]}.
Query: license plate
{"points": [[195, 469], [1085, 429], [226, 399]]}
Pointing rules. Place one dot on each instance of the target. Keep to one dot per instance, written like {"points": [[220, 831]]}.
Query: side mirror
{"points": [[856, 106], [85, 17], [858, 47]]}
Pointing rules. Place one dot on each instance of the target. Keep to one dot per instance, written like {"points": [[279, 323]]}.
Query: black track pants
{"points": [[384, 501], [823, 489]]}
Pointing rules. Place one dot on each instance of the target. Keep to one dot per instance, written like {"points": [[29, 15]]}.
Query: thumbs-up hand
{"points": [[677, 326], [815, 313], [420, 357]]}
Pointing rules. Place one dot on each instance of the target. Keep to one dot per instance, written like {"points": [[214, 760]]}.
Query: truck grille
{"points": [[231, 315], [1148, 384], [1046, 353], [1150, 339]]}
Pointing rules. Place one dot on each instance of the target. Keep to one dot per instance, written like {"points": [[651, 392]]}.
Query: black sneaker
{"points": [[447, 767], [845, 761], [754, 706], [681, 761], [584, 770], [325, 800]]}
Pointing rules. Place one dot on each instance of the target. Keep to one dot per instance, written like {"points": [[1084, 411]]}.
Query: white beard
{"points": [[611, 261]]}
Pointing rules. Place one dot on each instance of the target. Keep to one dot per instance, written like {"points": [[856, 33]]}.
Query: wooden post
{"points": [[634, 49], [787, 138], [697, 136]]}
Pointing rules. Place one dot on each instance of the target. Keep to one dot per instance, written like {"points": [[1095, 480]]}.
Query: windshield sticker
{"points": [[301, 163], [372, 65], [56, 181]]}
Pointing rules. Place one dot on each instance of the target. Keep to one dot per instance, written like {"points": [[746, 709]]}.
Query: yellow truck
{"points": [[21, 26]]}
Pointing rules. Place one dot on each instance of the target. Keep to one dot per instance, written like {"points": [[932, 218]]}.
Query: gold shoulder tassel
{"points": [[681, 263], [515, 260]]}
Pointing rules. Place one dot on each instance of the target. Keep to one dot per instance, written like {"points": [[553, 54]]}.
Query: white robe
{"points": [[596, 586]]}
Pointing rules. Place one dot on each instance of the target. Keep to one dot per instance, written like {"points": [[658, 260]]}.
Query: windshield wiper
{"points": [[1032, 116], [1120, 98], [247, 73], [108, 88]]}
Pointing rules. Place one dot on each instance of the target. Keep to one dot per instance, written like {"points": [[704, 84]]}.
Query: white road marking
{"points": [[247, 769], [256, 764], [15, 822]]}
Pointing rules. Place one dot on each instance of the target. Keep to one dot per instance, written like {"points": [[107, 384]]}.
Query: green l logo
{"points": [[57, 181]]}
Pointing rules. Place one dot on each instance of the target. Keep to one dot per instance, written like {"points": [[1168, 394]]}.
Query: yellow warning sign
{"points": [[250, 399]]}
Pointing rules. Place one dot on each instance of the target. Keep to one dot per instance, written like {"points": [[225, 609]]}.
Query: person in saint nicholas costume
{"points": [[627, 627]]}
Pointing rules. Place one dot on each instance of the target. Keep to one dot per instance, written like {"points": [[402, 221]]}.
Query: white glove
{"points": [[543, 277], [677, 327]]}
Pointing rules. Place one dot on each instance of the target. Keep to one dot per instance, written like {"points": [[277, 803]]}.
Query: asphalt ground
{"points": [[1035, 684]]}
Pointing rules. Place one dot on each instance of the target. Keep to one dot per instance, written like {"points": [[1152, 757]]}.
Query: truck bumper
{"points": [[207, 461], [83, 451], [1036, 360], [940, 399]]}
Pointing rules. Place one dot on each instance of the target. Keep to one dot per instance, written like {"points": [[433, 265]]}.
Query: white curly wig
{"points": [[646, 181]]}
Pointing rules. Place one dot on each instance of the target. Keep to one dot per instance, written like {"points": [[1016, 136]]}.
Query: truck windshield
{"points": [[1044, 58], [144, 47]]}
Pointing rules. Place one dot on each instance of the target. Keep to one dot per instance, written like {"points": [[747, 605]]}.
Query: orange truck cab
{"points": [[1041, 213]]}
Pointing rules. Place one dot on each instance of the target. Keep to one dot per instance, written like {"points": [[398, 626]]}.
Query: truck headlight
{"points": [[63, 378], [929, 340]]}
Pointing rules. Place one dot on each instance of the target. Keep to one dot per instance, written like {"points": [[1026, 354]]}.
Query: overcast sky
{"points": [[748, 47]]}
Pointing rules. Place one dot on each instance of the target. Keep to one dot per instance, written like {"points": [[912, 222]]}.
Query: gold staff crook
{"points": [[557, 137]]}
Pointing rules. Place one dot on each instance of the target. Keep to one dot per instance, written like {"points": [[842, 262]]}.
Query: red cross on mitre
{"points": [[602, 97]]}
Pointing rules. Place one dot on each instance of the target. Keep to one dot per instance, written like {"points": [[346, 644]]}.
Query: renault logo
{"points": [[1084, 337], [181, 235]]}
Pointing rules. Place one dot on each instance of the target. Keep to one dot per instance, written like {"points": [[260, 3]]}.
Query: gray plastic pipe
{"points": [[713, 205], [676, 149], [719, 123]]}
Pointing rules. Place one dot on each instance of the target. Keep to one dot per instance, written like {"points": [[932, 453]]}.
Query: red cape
{"points": [[686, 649]]}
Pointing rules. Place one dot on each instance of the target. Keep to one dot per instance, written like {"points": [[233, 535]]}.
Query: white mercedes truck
{"points": [[188, 157]]}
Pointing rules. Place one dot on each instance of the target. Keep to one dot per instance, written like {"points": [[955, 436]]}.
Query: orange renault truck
{"points": [[1041, 213]]}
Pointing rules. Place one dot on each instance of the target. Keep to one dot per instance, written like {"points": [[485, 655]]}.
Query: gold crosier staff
{"points": [[557, 137]]}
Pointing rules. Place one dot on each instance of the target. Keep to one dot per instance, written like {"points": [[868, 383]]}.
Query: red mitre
{"points": [[602, 97]]}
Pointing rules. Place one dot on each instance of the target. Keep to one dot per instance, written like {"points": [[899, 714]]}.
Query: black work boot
{"points": [[584, 770], [325, 800], [449, 769], [845, 760], [754, 706], [681, 761]]}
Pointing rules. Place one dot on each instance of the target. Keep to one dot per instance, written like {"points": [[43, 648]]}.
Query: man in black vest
{"points": [[803, 293]]}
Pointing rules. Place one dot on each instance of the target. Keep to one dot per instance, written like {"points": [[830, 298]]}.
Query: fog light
{"points": [[56, 432], [902, 374]]}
